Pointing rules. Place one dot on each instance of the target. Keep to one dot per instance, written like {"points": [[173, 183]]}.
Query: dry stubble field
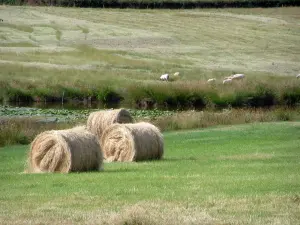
{"points": [[142, 44]]}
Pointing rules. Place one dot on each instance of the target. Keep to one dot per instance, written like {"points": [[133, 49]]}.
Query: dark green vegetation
{"points": [[66, 115], [265, 92], [246, 174], [161, 4]]}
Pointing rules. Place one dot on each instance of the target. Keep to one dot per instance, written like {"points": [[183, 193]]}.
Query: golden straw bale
{"points": [[132, 142], [65, 151], [98, 121]]}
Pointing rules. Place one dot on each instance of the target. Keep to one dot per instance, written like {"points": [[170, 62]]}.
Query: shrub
{"points": [[108, 95], [46, 95], [291, 97], [23, 131], [18, 95], [22, 139], [262, 97], [72, 93]]}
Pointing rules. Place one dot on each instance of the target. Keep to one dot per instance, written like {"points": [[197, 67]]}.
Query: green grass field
{"points": [[245, 174]]}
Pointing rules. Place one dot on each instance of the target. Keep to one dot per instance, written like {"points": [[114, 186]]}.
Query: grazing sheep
{"points": [[176, 74], [164, 77], [226, 81], [237, 76], [298, 76], [212, 80]]}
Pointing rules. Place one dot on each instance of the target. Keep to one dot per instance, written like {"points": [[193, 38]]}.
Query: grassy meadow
{"points": [[119, 54], [241, 174]]}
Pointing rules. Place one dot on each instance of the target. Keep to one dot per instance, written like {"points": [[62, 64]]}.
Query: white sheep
{"points": [[164, 77], [237, 76], [212, 80], [176, 74], [226, 81], [298, 76]]}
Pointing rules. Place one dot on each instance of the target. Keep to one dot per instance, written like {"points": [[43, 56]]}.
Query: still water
{"points": [[67, 105]]}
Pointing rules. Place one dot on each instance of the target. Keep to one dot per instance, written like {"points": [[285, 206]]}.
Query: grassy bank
{"points": [[252, 92], [246, 174], [21, 125], [114, 58], [158, 4]]}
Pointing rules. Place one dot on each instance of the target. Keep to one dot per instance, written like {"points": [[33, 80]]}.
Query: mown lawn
{"points": [[244, 174]]}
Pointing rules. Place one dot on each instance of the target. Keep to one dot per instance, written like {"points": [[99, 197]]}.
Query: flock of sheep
{"points": [[109, 135], [230, 79], [165, 77]]}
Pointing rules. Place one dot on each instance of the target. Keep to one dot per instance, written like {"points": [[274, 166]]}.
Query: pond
{"points": [[67, 113], [66, 105]]}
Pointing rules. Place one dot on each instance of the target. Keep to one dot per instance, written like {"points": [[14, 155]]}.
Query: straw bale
{"points": [[132, 142], [98, 121], [65, 151]]}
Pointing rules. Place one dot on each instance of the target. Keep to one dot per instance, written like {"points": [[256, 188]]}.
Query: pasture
{"points": [[47, 51], [239, 174], [141, 44]]}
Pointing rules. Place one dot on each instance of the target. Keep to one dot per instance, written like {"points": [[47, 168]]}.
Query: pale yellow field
{"points": [[147, 43]]}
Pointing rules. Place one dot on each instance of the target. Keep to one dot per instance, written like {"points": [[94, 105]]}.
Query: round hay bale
{"points": [[98, 121], [132, 142], [65, 151]]}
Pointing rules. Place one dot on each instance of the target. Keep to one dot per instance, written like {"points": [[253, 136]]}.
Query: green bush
{"points": [[241, 99], [291, 97], [46, 95], [18, 95], [108, 95], [22, 139], [262, 97]]}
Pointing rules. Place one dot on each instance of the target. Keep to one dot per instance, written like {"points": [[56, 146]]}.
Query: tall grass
{"points": [[173, 95], [203, 119], [23, 131]]}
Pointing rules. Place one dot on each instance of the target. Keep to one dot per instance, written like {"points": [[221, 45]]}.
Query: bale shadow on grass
{"points": [[180, 159], [119, 171]]}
